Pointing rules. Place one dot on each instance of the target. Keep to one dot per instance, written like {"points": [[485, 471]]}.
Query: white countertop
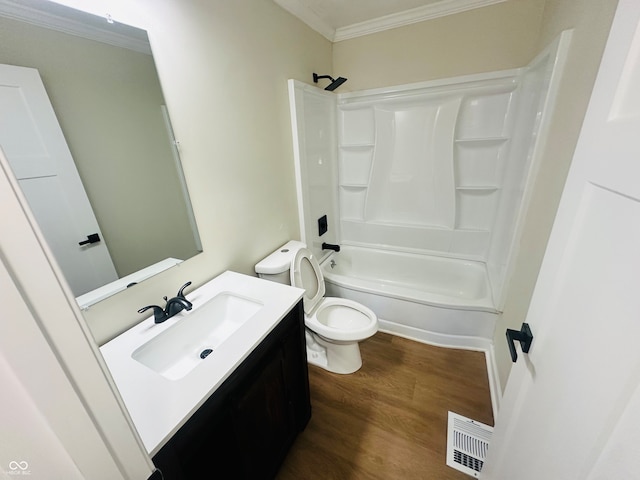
{"points": [[159, 406]]}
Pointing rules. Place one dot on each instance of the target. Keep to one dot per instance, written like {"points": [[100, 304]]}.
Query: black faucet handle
{"points": [[155, 308], [330, 246], [181, 291], [159, 314]]}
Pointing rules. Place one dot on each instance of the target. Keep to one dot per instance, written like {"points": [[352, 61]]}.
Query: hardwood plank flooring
{"points": [[389, 419]]}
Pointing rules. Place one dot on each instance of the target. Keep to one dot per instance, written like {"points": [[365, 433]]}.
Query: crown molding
{"points": [[387, 22], [408, 17], [80, 24], [309, 17]]}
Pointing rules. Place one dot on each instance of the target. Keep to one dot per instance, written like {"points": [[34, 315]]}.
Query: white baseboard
{"points": [[453, 341], [494, 381]]}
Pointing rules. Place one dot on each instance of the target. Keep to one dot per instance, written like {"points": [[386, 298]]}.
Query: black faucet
{"points": [[330, 246], [173, 306], [176, 305]]}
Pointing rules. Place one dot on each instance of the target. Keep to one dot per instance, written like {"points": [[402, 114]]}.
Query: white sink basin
{"points": [[187, 344], [167, 380]]}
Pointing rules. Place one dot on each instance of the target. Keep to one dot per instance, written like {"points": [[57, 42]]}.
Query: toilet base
{"points": [[342, 358]]}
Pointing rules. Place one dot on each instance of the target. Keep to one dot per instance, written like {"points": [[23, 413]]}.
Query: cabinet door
{"points": [[246, 427], [205, 448], [263, 419]]}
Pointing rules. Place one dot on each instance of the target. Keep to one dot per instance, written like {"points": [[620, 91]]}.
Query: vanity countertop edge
{"points": [[159, 406]]}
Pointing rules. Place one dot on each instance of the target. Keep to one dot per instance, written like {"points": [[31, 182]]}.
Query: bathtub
{"points": [[439, 300]]}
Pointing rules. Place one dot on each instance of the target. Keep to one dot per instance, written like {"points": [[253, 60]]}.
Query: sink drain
{"points": [[205, 353]]}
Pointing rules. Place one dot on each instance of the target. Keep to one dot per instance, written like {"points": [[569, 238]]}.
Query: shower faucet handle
{"points": [[330, 246]]}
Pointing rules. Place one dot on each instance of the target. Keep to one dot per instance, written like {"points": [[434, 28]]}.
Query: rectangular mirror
{"points": [[84, 126]]}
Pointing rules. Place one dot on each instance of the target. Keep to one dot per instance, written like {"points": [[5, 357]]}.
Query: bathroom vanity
{"points": [[234, 412], [246, 427]]}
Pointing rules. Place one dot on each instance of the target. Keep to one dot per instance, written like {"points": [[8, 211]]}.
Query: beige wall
{"points": [[496, 37], [591, 21], [107, 100], [223, 68]]}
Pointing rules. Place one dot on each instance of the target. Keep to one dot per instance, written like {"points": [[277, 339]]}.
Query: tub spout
{"points": [[330, 246]]}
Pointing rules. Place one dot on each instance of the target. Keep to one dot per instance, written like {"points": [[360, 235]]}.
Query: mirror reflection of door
{"points": [[102, 82], [34, 144]]}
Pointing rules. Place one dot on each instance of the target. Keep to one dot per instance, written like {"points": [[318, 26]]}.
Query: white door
{"points": [[32, 140], [61, 416], [571, 409]]}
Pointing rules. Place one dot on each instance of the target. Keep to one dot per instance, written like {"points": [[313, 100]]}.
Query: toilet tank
{"points": [[276, 266]]}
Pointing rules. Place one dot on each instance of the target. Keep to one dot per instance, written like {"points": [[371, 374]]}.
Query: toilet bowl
{"points": [[334, 326]]}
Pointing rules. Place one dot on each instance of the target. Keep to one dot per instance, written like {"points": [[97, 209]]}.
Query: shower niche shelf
{"points": [[352, 201], [357, 126], [482, 114], [475, 207], [481, 140], [486, 188], [357, 146], [473, 230], [478, 166], [354, 164]]}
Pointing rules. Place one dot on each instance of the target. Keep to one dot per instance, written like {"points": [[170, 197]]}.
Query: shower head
{"points": [[335, 83]]}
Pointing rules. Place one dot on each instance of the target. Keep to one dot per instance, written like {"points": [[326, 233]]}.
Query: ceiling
{"points": [[342, 19]]}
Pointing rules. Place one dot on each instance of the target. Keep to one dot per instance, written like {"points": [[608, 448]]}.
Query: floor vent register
{"points": [[467, 444]]}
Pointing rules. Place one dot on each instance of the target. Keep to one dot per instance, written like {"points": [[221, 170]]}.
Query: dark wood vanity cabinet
{"points": [[246, 427]]}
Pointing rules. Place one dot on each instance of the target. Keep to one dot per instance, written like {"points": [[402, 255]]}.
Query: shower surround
{"points": [[424, 168], [441, 168]]}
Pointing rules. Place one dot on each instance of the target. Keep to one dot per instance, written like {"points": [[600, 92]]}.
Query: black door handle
{"points": [[93, 238], [524, 336]]}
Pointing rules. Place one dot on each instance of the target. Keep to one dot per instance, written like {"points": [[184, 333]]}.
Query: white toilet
{"points": [[334, 325]]}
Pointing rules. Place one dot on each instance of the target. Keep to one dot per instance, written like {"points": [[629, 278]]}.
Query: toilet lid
{"points": [[306, 273]]}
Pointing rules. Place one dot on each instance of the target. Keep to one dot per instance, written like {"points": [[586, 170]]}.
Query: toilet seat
{"points": [[340, 319], [337, 319], [305, 273]]}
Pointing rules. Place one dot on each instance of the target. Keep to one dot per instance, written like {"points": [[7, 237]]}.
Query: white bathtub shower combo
{"points": [[439, 300], [431, 179]]}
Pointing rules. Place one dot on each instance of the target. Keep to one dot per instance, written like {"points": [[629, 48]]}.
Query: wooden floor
{"points": [[389, 420]]}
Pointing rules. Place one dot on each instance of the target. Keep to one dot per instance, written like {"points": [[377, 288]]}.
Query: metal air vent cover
{"points": [[467, 444]]}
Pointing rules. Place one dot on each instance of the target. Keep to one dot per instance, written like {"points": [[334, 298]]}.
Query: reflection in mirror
{"points": [[106, 138]]}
